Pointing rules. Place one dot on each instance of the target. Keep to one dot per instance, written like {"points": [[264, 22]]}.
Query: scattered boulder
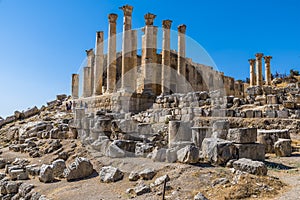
{"points": [[218, 151], [80, 168], [160, 180], [142, 189], [11, 187], [133, 176], [2, 163], [188, 154], [114, 151], [159, 155], [110, 174], [58, 167], [200, 196], [147, 174], [250, 166], [25, 189], [242, 135], [283, 147], [46, 174]]}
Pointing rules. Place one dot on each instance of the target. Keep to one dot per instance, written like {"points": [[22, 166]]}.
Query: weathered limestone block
{"points": [[160, 181], [198, 135], [254, 91], [11, 187], [31, 112], [110, 174], [283, 147], [101, 144], [253, 151], [252, 167], [79, 169], [159, 155], [25, 189], [218, 151], [171, 154], [242, 135], [188, 154], [269, 137], [143, 149], [147, 174], [289, 104], [272, 99], [58, 167], [200, 196], [271, 114], [282, 113], [114, 151], [249, 113], [46, 174], [126, 145], [220, 125], [179, 132], [261, 99], [222, 134], [257, 113]]}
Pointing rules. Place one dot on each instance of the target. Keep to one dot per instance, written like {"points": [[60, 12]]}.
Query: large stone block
{"points": [[282, 113], [271, 113], [283, 147], [249, 113], [272, 99], [179, 132], [269, 137], [242, 135], [220, 125], [252, 167], [188, 154], [198, 135], [218, 151], [253, 151]]}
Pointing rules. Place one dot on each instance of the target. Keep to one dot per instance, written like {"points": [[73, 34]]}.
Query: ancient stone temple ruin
{"points": [[166, 107], [116, 77], [256, 76]]}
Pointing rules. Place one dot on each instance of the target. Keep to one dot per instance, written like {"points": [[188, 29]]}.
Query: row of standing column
{"points": [[93, 72], [256, 77]]}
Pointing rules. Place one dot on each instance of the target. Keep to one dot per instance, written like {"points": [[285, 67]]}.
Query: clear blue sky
{"points": [[42, 42]]}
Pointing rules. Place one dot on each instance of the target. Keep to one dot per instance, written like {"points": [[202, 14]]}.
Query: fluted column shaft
{"points": [[181, 68], [268, 77], [252, 72], [259, 78], [112, 54], [166, 58], [126, 82], [75, 86], [148, 57], [98, 70]]}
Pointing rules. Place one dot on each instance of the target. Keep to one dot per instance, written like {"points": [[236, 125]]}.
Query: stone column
{"points": [[112, 54], [75, 86], [181, 68], [259, 79], [268, 69], [252, 72], [98, 70], [90, 63], [166, 58], [134, 59], [87, 82], [148, 57], [126, 81]]}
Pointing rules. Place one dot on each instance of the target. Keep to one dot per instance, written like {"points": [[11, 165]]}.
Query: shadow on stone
{"points": [[277, 166], [93, 175]]}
